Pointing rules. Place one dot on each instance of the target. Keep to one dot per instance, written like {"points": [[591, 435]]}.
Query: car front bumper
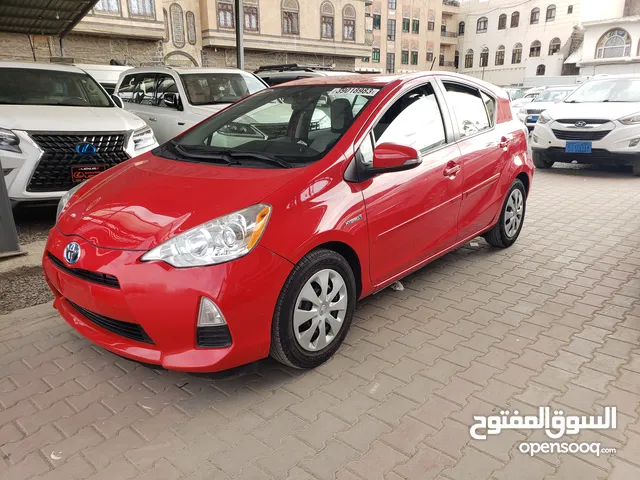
{"points": [[164, 301]]}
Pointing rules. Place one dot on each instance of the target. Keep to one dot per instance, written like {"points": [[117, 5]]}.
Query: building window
{"points": [[225, 14], [461, 28], [349, 23], [534, 49], [429, 54], [502, 22], [456, 59], [500, 55], [404, 59], [141, 8], [431, 26], [515, 19], [484, 57], [191, 28], [251, 22], [290, 17], [516, 53], [376, 21], [414, 57], [441, 60], [366, 59], [468, 59], [415, 26], [326, 20], [392, 4], [614, 43], [535, 16], [107, 6], [391, 30], [540, 70], [165, 17], [406, 25], [375, 55], [551, 13], [554, 46], [443, 28], [482, 24], [391, 62], [569, 9]]}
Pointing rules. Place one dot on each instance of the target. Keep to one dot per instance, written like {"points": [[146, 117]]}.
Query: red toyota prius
{"points": [[255, 232]]}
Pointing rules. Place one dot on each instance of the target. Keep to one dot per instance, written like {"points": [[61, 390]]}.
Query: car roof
{"points": [[58, 67], [185, 70]]}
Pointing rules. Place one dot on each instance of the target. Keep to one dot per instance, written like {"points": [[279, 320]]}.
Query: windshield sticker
{"points": [[365, 91]]}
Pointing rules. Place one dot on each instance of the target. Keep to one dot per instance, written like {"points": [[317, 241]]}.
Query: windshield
{"points": [[554, 96], [296, 125], [609, 90], [213, 88], [29, 86], [515, 93]]}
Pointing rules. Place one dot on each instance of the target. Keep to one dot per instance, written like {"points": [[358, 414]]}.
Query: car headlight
{"points": [[65, 200], [523, 111], [9, 141], [631, 119], [143, 137], [218, 241], [542, 119]]}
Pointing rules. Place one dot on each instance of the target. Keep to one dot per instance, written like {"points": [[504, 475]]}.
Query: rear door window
{"points": [[145, 89], [468, 107], [125, 92]]}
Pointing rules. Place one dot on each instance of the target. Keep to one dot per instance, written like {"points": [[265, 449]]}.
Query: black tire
{"points": [[497, 236], [284, 346], [540, 160]]}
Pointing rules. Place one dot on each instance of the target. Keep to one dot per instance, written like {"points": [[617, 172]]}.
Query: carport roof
{"points": [[42, 17]]}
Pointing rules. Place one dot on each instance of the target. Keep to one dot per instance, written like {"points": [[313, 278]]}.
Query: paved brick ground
{"points": [[553, 320]]}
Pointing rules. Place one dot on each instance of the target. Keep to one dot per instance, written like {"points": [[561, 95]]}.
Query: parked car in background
{"points": [[515, 93], [203, 257], [529, 113], [277, 74], [599, 123], [527, 97], [172, 100], [58, 127], [105, 75]]}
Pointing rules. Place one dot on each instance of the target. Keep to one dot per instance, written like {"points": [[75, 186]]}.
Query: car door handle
{"points": [[451, 170], [181, 123], [153, 119], [504, 142]]}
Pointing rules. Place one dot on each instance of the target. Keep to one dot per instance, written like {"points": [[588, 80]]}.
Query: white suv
{"points": [[172, 100], [528, 114], [58, 127], [599, 123]]}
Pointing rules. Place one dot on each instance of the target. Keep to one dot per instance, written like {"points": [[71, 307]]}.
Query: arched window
{"points": [[551, 13], [290, 17], [225, 14], [540, 70], [456, 59], [554, 46], [191, 27], [534, 49], [468, 59], [502, 21], [614, 43], [177, 25], [500, 55], [326, 20], [349, 23], [461, 28], [165, 17], [516, 53], [515, 19], [429, 54], [535, 16], [484, 57], [414, 55], [251, 19], [482, 25]]}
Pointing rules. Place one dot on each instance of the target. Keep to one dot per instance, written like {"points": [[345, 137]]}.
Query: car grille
{"points": [[217, 336], [534, 111], [273, 130], [53, 173], [590, 121], [124, 329], [93, 277], [580, 134]]}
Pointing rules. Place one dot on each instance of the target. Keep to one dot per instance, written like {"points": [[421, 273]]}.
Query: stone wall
{"points": [[82, 48], [631, 8], [226, 57]]}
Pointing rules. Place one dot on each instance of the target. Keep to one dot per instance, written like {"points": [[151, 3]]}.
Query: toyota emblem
{"points": [[72, 253], [580, 123]]}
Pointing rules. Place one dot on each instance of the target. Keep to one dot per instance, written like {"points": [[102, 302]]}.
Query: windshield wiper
{"points": [[200, 154], [260, 157]]}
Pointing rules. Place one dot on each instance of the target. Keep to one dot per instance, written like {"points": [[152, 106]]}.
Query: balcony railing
{"points": [[448, 34], [451, 3]]}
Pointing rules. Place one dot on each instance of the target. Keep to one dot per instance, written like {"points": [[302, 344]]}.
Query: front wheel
{"points": [[506, 231], [314, 310]]}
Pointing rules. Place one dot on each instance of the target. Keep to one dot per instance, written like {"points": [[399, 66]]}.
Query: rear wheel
{"points": [[314, 311], [540, 160], [506, 231]]}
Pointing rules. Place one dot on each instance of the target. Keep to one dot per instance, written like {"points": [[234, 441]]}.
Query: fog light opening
{"points": [[209, 314], [535, 138], [634, 142]]}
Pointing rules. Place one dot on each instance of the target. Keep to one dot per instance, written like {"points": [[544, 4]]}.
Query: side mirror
{"points": [[117, 100], [323, 101], [171, 100], [391, 157]]}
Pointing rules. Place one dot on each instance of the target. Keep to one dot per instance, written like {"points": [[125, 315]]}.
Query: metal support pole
{"points": [[8, 236], [239, 35], [62, 46]]}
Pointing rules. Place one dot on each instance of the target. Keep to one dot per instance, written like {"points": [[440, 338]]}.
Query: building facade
{"points": [[507, 42]]}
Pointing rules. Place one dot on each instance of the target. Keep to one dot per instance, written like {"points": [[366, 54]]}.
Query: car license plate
{"points": [[533, 118], [80, 173], [578, 147]]}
